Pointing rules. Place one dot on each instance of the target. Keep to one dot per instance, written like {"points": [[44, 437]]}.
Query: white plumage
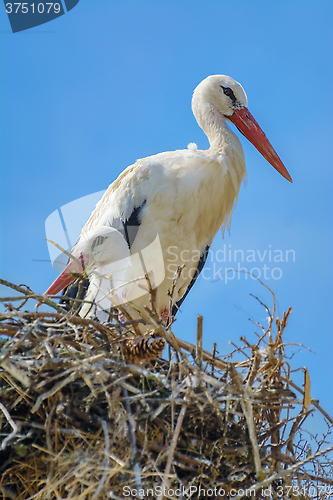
{"points": [[168, 207]]}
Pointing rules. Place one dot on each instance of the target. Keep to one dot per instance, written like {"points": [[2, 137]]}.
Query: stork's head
{"points": [[219, 98], [95, 248], [219, 92]]}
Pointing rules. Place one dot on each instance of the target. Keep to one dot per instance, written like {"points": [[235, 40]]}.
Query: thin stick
{"points": [[173, 444], [31, 295], [152, 291], [11, 423], [172, 290], [198, 356], [313, 401], [248, 413], [75, 259], [213, 358], [106, 459], [132, 433]]}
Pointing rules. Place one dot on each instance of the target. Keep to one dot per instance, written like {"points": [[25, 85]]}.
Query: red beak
{"points": [[68, 275], [246, 124]]}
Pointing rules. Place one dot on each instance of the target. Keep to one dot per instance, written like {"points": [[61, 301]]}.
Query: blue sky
{"points": [[87, 94]]}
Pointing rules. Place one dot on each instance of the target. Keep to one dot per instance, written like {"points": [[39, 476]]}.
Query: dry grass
{"points": [[88, 408]]}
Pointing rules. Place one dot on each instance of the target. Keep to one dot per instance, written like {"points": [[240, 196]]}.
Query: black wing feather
{"points": [[201, 264]]}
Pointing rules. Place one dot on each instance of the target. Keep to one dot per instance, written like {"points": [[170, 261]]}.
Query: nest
{"points": [[92, 411]]}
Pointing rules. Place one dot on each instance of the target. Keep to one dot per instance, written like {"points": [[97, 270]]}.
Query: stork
{"points": [[162, 212]]}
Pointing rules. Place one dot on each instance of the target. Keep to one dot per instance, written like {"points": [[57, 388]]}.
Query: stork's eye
{"points": [[228, 92], [98, 241]]}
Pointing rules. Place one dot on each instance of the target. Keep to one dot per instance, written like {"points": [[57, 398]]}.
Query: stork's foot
{"points": [[165, 315]]}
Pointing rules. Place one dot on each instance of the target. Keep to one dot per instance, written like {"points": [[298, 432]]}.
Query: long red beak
{"points": [[246, 124], [68, 275]]}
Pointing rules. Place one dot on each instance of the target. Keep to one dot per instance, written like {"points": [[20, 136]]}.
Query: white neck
{"points": [[222, 140], [215, 127], [223, 143], [212, 122]]}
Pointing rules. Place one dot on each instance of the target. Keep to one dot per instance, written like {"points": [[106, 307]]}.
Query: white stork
{"points": [[164, 211]]}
